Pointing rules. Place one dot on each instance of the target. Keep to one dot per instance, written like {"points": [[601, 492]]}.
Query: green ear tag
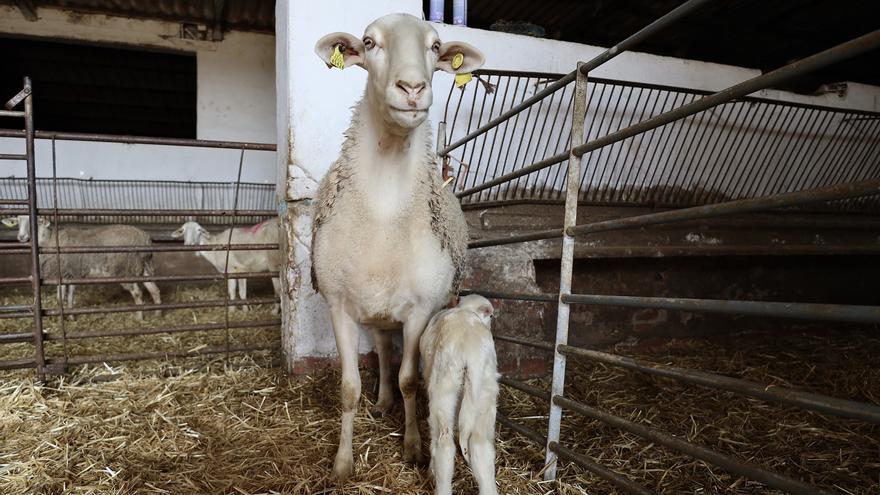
{"points": [[337, 60]]}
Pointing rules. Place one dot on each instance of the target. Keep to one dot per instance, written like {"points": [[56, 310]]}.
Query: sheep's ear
{"points": [[471, 59], [42, 222], [351, 48], [10, 222], [177, 233]]}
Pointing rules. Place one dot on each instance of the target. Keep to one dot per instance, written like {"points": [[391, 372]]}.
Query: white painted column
{"points": [[313, 112]]}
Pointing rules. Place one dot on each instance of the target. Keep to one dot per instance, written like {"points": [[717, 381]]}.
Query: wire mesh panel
{"points": [[741, 149]]}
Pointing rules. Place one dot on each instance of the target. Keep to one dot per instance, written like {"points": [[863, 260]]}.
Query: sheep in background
{"points": [[88, 265], [459, 362], [265, 232]]}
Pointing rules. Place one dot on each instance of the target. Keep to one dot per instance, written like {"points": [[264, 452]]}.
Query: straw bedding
{"points": [[208, 425]]}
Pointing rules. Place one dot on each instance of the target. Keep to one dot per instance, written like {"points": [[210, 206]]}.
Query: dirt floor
{"points": [[208, 425]]}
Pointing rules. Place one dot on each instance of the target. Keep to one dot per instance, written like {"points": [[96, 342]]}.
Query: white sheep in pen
{"points": [[265, 232], [388, 239], [460, 372], [87, 265]]}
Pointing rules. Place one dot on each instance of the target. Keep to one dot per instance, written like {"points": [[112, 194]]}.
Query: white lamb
{"points": [[460, 373]]}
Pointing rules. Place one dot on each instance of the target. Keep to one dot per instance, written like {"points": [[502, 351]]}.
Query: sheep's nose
{"points": [[411, 89]]}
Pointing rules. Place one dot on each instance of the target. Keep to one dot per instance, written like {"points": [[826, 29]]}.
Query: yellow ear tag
{"points": [[462, 79], [337, 60], [457, 60]]}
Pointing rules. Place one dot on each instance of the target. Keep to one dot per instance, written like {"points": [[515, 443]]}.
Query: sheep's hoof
{"points": [[343, 466], [412, 450], [382, 407]]}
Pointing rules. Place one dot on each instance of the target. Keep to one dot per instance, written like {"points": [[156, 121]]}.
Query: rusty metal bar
{"points": [[524, 387], [646, 32], [807, 311], [835, 54], [582, 461], [15, 364], [134, 332], [18, 98], [12, 156], [214, 303], [537, 344], [829, 193], [572, 189], [107, 138], [17, 307], [769, 478], [16, 338], [152, 278], [37, 313], [82, 212], [806, 400], [514, 296], [145, 249], [100, 358], [11, 113]]}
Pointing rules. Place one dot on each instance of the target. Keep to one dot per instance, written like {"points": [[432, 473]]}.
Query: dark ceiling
{"points": [[750, 33]]}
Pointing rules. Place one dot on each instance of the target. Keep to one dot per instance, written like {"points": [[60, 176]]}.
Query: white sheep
{"points": [[265, 232], [388, 239], [460, 373], [86, 265]]}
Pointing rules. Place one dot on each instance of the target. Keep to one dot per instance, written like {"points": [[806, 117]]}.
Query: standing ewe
{"points": [[459, 362], [87, 265], [388, 240], [265, 232]]}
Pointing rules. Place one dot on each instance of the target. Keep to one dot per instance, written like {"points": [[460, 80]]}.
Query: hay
{"points": [[204, 425], [841, 455]]}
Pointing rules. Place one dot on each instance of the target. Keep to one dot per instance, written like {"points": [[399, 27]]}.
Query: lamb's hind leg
{"points": [[152, 288], [409, 383], [137, 295], [443, 392], [346, 331], [383, 349], [242, 292], [230, 289]]}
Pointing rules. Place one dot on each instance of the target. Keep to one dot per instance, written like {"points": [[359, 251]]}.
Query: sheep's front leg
{"points": [[383, 350], [409, 383], [70, 289], [230, 289], [242, 292], [137, 295], [346, 331], [153, 289]]}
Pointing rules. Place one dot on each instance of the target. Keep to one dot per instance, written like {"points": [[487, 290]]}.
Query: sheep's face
{"points": [[400, 52], [191, 232], [24, 227]]}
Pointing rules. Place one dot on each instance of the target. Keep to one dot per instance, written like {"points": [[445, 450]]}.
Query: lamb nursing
{"points": [[460, 372], [388, 240]]}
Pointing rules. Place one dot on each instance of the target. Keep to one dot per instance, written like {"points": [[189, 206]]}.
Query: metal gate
{"points": [[218, 204], [652, 145]]}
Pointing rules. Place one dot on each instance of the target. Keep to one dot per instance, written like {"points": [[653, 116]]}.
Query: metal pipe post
{"points": [[39, 355], [573, 178]]}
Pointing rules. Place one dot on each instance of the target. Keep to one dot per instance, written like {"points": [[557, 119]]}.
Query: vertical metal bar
{"points": [[572, 187], [39, 355], [228, 250], [59, 271]]}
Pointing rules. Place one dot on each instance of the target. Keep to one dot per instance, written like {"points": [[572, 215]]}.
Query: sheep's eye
{"points": [[369, 43], [436, 47]]}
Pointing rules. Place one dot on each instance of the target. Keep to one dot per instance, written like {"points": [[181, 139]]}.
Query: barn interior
{"points": [[200, 398]]}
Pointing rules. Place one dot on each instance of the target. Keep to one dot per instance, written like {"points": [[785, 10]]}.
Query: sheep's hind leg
{"points": [[346, 332], [383, 349], [138, 297], [153, 289], [276, 284]]}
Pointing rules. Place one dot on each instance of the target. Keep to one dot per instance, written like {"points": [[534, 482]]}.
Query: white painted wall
{"points": [[235, 102], [314, 109]]}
